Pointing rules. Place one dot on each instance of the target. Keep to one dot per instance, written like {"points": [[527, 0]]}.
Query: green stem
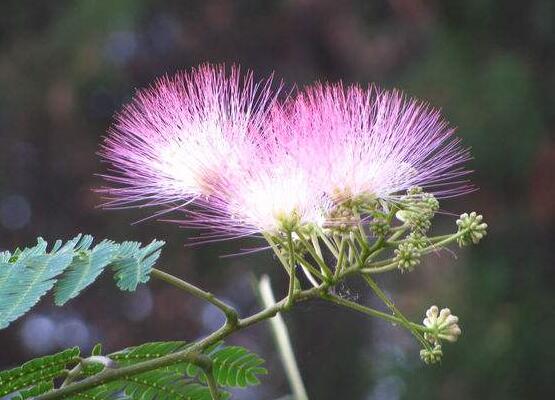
{"points": [[73, 374], [230, 313], [389, 264], [190, 354], [291, 292], [360, 234], [434, 239], [212, 385], [325, 270], [309, 267], [277, 252], [356, 254], [369, 311], [340, 259], [376, 269], [403, 320], [316, 244], [329, 245], [193, 353]]}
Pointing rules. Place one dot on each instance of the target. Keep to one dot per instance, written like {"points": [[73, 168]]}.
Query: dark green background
{"points": [[67, 66]]}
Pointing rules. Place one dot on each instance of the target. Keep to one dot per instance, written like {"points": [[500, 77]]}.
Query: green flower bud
{"points": [[418, 240], [473, 227], [430, 201], [417, 220], [298, 246], [431, 356], [342, 220], [418, 209], [414, 191], [417, 198], [407, 257], [379, 226]]}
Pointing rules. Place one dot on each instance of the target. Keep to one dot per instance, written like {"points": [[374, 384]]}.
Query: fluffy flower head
{"points": [[368, 142], [177, 139], [251, 164], [271, 194]]}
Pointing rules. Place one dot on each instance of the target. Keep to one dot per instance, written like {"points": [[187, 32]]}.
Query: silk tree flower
{"points": [[200, 137], [178, 139], [364, 143], [271, 194], [250, 164]]}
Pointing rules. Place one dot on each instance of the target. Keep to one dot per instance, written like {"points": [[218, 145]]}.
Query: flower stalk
{"points": [[438, 325], [230, 313]]}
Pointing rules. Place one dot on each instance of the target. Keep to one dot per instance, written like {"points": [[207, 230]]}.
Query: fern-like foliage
{"points": [[34, 391], [162, 385], [87, 264], [133, 264], [146, 352], [233, 366], [27, 275], [37, 375]]}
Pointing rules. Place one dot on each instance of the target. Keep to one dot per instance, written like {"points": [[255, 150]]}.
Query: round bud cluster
{"points": [[379, 226], [418, 198], [414, 191], [364, 204], [430, 202], [417, 239], [418, 209], [289, 222], [342, 221], [407, 257], [442, 325], [416, 220], [473, 227], [431, 356]]}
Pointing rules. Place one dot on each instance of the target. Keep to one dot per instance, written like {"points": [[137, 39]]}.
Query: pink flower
{"points": [[177, 139], [360, 142], [250, 164], [272, 194]]}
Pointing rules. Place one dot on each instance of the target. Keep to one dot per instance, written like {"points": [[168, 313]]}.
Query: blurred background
{"points": [[67, 66]]}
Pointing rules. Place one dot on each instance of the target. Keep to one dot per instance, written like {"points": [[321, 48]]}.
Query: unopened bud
{"points": [[442, 325], [431, 356], [407, 257], [473, 227]]}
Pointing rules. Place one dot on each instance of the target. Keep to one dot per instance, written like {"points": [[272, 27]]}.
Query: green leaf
{"points": [[233, 366], [159, 385], [145, 352], [110, 391], [236, 366], [28, 278], [33, 372], [86, 266], [166, 385], [133, 264], [28, 274], [34, 391]]}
